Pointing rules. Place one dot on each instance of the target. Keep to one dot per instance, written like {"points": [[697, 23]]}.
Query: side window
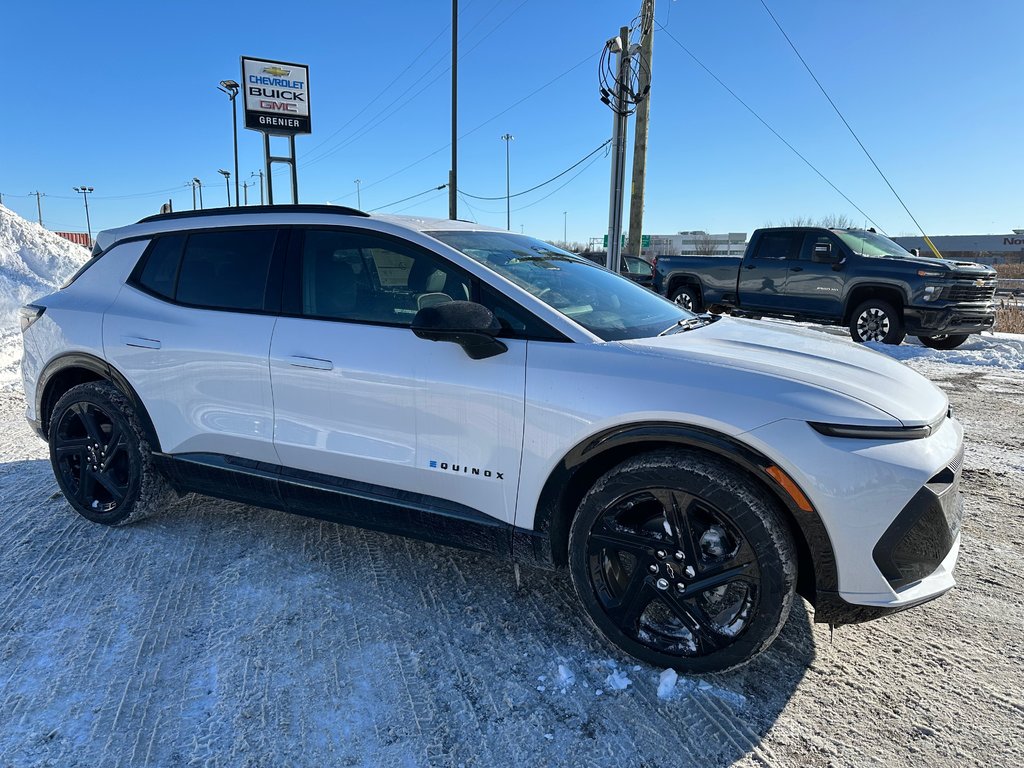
{"points": [[159, 270], [365, 278], [226, 270], [780, 245]]}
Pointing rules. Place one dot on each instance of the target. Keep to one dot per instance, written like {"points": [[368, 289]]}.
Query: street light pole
{"points": [[565, 228], [359, 196], [199, 184], [508, 137], [231, 88], [84, 190], [227, 184]]}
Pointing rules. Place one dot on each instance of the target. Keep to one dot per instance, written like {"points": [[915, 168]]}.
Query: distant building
{"points": [[78, 238], [987, 249], [697, 243]]}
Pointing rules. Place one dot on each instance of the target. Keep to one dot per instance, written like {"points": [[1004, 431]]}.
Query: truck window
{"points": [[780, 245]]}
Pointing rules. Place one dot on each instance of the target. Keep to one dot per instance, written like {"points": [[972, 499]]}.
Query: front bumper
{"points": [[956, 319], [891, 509]]}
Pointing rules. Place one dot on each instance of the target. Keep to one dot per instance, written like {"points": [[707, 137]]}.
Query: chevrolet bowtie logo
{"points": [[277, 71]]}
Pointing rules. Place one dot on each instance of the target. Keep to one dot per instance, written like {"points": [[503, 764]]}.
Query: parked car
{"points": [[478, 388], [637, 269], [852, 277]]}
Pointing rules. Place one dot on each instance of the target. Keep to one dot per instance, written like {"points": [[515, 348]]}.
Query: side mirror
{"points": [[822, 253], [466, 323]]}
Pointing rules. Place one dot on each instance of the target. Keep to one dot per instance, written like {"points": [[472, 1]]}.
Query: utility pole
{"points": [[245, 190], [508, 137], [39, 205], [359, 196], [643, 113], [199, 184], [85, 191], [453, 175], [260, 174], [620, 111], [565, 227]]}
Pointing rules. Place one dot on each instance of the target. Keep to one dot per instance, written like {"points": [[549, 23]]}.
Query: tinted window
{"points": [[780, 245], [516, 322], [349, 276], [161, 266], [226, 270]]}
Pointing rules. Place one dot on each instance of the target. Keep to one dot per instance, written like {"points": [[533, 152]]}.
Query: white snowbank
{"points": [[33, 262], [1004, 350]]}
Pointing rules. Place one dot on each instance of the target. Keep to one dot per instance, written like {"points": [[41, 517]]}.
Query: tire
{"points": [[944, 341], [101, 457], [688, 297], [674, 517], [877, 320]]}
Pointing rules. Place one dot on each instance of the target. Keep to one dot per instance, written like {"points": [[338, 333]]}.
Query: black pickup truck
{"points": [[851, 277]]}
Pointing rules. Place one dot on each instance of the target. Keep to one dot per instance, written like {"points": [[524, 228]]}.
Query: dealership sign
{"points": [[276, 96]]}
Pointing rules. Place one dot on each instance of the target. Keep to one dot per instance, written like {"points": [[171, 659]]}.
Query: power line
{"points": [[764, 122], [543, 183], [841, 117], [410, 197]]}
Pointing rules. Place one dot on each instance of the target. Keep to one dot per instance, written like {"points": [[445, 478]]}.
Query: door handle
{"points": [[315, 363], [139, 341], [796, 269], [750, 266]]}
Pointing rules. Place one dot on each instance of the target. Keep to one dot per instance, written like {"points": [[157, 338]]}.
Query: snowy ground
{"points": [[221, 634]]}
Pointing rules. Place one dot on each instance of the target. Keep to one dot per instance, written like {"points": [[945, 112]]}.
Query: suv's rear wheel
{"points": [[682, 560], [944, 341], [101, 457], [877, 320]]}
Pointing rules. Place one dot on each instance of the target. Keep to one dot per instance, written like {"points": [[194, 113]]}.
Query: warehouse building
{"points": [[987, 249]]}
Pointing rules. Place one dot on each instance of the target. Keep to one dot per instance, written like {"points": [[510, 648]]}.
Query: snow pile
{"points": [[1004, 350], [33, 262]]}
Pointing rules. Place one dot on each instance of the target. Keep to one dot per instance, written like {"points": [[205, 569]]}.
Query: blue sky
{"points": [[122, 97]]}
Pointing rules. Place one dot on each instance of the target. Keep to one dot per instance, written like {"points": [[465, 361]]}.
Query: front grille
{"points": [[969, 292]]}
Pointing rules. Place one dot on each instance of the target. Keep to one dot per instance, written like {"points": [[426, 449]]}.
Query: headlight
{"points": [[932, 292], [871, 433]]}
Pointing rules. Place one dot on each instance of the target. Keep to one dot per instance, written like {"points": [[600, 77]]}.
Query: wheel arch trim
{"points": [[102, 369], [609, 447]]}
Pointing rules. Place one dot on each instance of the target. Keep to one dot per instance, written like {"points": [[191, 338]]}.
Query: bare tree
{"points": [[705, 245], [835, 221]]}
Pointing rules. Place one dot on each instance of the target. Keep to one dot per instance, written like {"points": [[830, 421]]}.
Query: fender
{"points": [[102, 370], [594, 455]]}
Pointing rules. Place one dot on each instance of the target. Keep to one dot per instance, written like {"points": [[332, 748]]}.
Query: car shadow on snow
{"points": [[217, 624]]}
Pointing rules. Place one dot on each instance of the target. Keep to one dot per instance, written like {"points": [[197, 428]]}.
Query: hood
{"points": [[809, 357], [943, 265]]}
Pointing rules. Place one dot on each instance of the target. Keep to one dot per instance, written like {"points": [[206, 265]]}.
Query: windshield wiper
{"points": [[686, 324]]}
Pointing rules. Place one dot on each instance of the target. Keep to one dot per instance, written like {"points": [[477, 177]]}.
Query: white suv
{"points": [[693, 473]]}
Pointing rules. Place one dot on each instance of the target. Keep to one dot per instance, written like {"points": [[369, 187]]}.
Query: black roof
{"points": [[337, 210]]}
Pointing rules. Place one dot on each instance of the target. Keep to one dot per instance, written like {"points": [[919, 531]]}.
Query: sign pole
{"points": [[266, 163], [295, 172]]}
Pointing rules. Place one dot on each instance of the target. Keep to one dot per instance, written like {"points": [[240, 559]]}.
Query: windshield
{"points": [[871, 243], [607, 305]]}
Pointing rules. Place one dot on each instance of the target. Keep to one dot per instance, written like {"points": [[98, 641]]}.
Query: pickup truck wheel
{"points": [[683, 561], [877, 320], [688, 297], [944, 341]]}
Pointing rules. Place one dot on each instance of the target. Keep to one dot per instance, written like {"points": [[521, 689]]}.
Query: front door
{"points": [[816, 287], [358, 397]]}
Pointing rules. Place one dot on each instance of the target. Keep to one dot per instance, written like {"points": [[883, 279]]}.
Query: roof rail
{"points": [[338, 210]]}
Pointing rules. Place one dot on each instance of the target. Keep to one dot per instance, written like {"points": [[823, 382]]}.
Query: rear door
{"points": [[191, 330], [359, 398], [763, 273]]}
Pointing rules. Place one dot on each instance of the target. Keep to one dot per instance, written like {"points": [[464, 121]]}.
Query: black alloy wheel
{"points": [[101, 457], [944, 340], [681, 560]]}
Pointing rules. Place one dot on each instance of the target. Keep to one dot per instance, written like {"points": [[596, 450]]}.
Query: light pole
{"points": [[260, 174], [197, 183], [227, 184], [231, 88], [507, 137], [565, 228], [359, 196], [84, 190]]}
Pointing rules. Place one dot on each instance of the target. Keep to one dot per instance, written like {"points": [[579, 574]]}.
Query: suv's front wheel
{"points": [[101, 457], [682, 560]]}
